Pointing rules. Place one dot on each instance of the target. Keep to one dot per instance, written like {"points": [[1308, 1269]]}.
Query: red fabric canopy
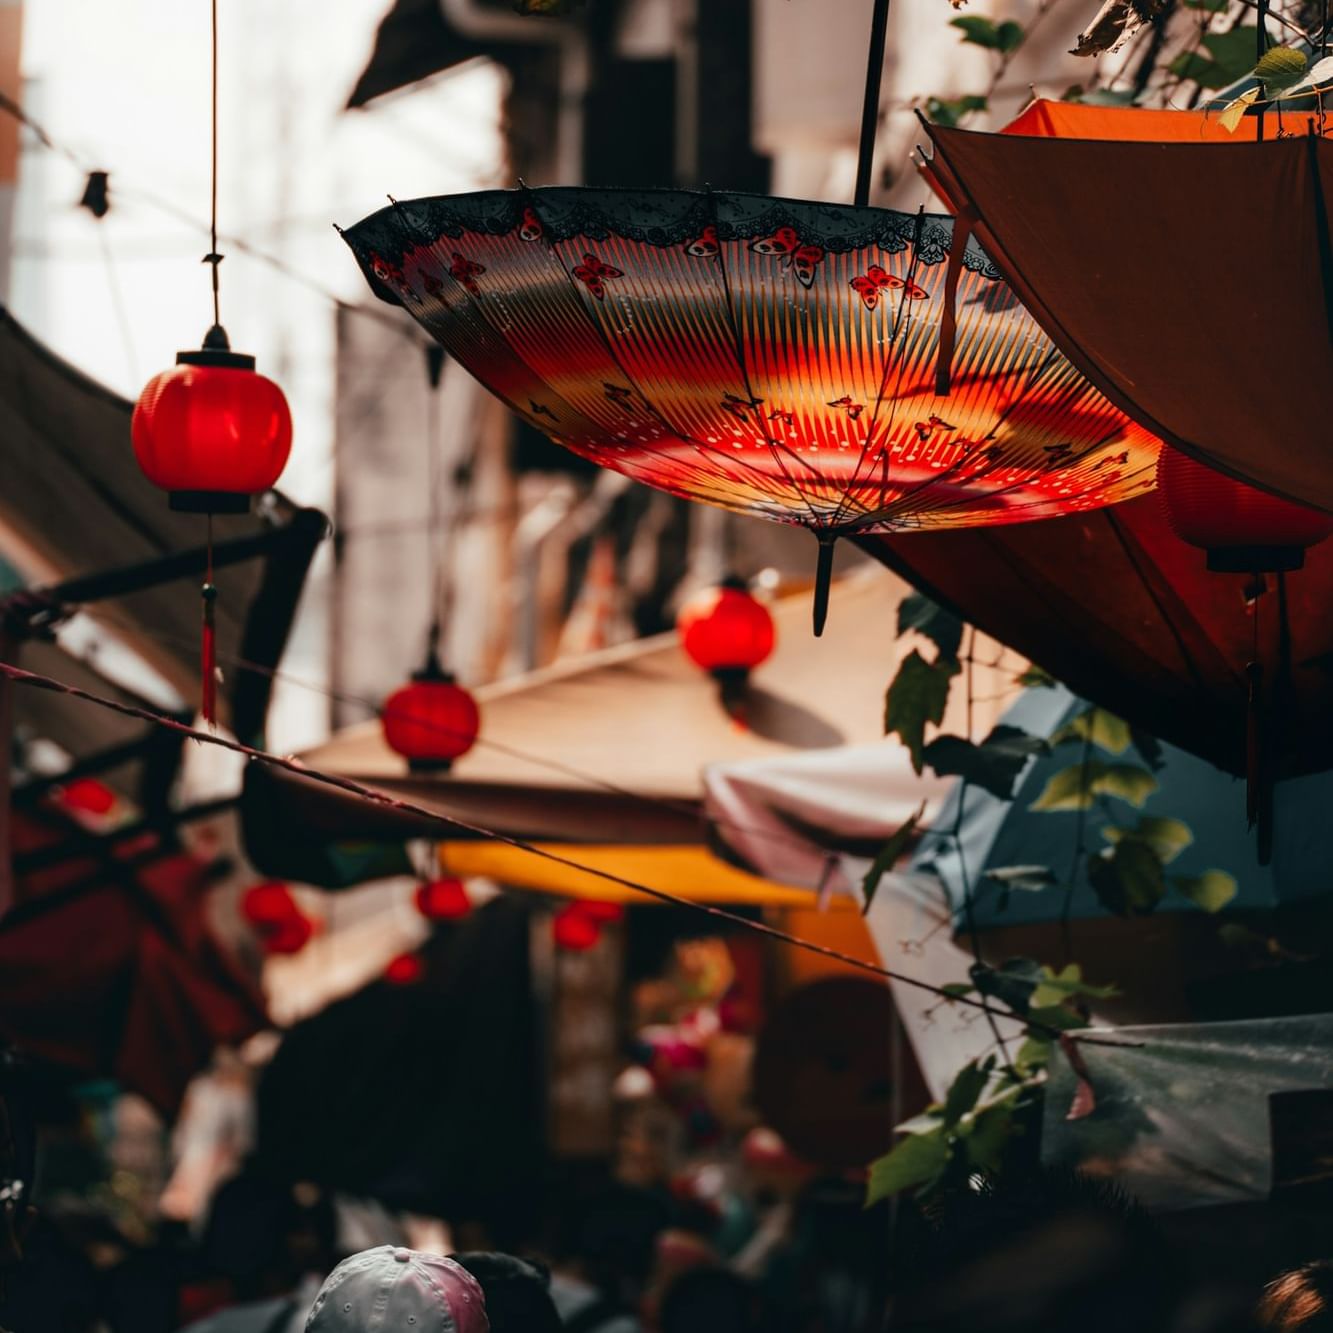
{"points": [[1187, 272], [125, 981], [1123, 612]]}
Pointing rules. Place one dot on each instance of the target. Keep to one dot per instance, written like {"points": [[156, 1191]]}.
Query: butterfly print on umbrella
{"points": [[705, 245], [619, 395], [925, 429], [852, 409], [540, 409], [593, 274], [874, 280], [802, 260], [531, 229], [465, 272], [739, 407]]}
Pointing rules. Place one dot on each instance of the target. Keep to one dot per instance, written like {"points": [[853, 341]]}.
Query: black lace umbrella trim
{"points": [[652, 217]]}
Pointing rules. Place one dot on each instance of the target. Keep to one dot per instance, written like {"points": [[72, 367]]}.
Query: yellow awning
{"points": [[691, 872]]}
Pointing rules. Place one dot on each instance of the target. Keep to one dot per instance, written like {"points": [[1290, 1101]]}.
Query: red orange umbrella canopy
{"points": [[766, 355], [1188, 272]]}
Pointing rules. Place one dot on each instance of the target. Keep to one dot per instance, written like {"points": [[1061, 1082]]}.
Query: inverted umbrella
{"points": [[1186, 271], [765, 355]]}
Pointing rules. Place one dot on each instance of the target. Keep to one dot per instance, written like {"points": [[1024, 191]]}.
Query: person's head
{"points": [[709, 1300], [1041, 1252], [518, 1296], [1301, 1299], [263, 1235], [392, 1288]]}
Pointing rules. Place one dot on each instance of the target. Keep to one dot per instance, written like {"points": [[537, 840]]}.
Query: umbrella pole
{"points": [[823, 577], [865, 160]]}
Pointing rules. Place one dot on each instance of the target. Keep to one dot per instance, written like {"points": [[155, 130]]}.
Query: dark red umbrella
{"points": [[125, 980], [1186, 270], [1121, 610]]}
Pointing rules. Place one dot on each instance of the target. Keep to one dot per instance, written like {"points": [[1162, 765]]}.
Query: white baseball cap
{"points": [[396, 1290]]}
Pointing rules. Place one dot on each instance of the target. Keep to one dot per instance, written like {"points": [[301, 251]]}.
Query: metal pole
{"points": [[865, 161]]}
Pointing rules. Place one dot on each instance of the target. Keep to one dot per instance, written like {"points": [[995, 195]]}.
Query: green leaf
{"points": [[968, 1085], [1230, 57], [1078, 786], [1128, 879], [888, 855], [917, 612], [916, 698], [956, 989], [1056, 987], [990, 1131], [1148, 747], [1036, 679], [1212, 890], [1057, 1016], [1027, 879], [978, 31], [1009, 35], [1097, 726], [951, 110], [1209, 6], [1234, 111], [917, 1160], [1012, 983], [1167, 837], [1279, 67], [1100, 96], [994, 764], [1033, 1054]]}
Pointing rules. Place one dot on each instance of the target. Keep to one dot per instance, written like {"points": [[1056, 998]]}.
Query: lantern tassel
{"points": [[823, 577], [1254, 675], [208, 664]]}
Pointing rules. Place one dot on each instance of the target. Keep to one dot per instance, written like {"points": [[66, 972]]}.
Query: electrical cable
{"points": [[372, 796]]}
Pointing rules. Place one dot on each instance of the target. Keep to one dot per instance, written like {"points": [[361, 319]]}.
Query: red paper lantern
{"points": [[602, 912], [269, 904], [211, 431], [87, 796], [290, 936], [404, 970], [1243, 529], [574, 929], [443, 900], [430, 721], [725, 630]]}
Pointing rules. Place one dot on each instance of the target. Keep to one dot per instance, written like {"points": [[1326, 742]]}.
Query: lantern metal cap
{"points": [[216, 351], [1255, 559], [209, 502]]}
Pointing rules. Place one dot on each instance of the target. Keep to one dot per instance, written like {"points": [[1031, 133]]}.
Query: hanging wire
{"points": [[558, 766], [372, 796], [404, 330], [213, 257]]}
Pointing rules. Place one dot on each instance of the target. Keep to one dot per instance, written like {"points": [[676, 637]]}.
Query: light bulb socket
{"points": [[1255, 559]]}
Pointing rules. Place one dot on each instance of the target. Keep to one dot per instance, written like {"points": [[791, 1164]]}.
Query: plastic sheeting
{"points": [[1182, 1116]]}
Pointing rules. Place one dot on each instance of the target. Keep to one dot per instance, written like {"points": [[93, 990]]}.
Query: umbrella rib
{"points": [[892, 356], [1186, 656], [688, 437], [775, 447]]}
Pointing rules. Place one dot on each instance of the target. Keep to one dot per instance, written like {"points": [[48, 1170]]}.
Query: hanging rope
{"points": [[373, 796]]}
